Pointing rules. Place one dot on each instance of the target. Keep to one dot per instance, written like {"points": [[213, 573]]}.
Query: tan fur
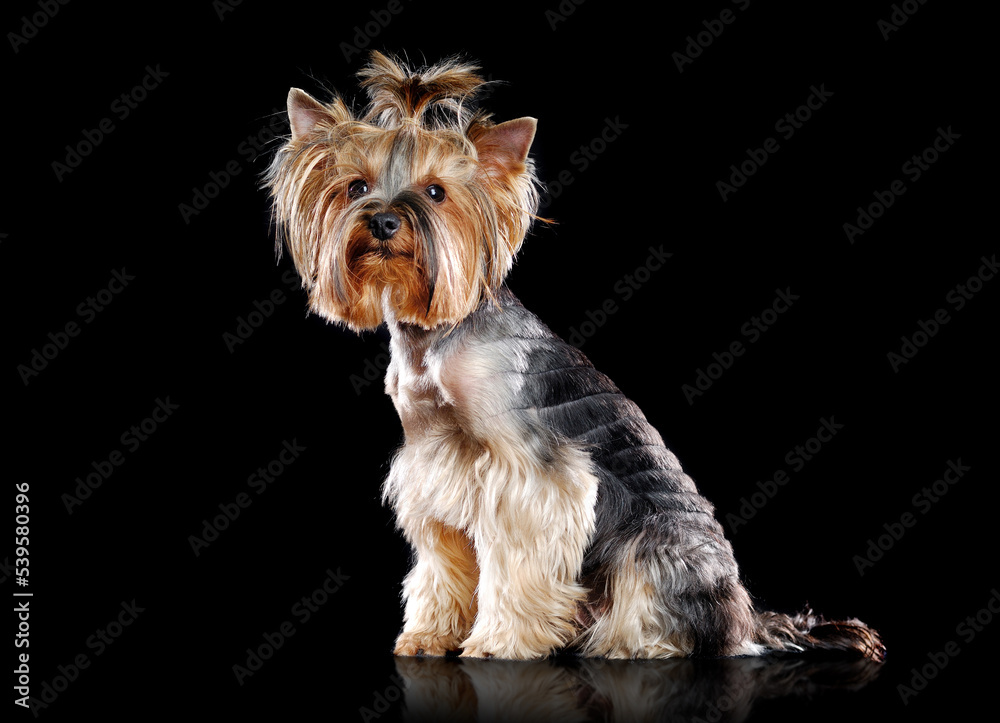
{"points": [[442, 587]]}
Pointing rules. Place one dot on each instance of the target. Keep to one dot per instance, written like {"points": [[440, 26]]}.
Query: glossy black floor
{"points": [[202, 461]]}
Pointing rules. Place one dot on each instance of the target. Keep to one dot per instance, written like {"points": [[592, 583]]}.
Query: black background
{"points": [[295, 378]]}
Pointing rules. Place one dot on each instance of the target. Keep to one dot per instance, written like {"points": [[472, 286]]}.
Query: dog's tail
{"points": [[808, 631]]}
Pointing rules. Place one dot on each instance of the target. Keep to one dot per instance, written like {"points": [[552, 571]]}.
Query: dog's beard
{"points": [[425, 274]]}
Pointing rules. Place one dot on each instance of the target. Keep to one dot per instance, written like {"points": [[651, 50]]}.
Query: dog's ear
{"points": [[305, 113], [507, 144]]}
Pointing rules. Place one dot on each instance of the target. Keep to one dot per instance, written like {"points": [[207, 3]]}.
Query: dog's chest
{"points": [[454, 409], [433, 475], [425, 407]]}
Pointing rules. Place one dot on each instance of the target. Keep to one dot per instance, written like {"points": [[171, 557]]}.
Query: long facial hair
{"points": [[462, 188]]}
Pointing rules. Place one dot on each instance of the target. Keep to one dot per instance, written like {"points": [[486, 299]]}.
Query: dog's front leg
{"points": [[439, 591], [530, 541]]}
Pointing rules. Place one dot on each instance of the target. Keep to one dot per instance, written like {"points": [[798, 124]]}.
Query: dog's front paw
{"points": [[496, 647], [475, 651], [408, 644], [526, 632]]}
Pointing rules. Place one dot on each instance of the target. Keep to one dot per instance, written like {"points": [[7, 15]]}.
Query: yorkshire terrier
{"points": [[544, 511]]}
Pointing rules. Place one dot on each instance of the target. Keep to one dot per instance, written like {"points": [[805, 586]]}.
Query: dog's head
{"points": [[419, 203]]}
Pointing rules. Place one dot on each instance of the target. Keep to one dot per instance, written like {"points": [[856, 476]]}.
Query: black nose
{"points": [[384, 225]]}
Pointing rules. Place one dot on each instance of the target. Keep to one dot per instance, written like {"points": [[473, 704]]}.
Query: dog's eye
{"points": [[357, 189], [436, 193]]}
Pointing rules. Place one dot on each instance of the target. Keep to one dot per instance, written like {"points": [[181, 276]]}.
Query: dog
{"points": [[545, 513]]}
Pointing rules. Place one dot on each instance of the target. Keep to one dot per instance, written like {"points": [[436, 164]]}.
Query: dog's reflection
{"points": [[578, 689]]}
